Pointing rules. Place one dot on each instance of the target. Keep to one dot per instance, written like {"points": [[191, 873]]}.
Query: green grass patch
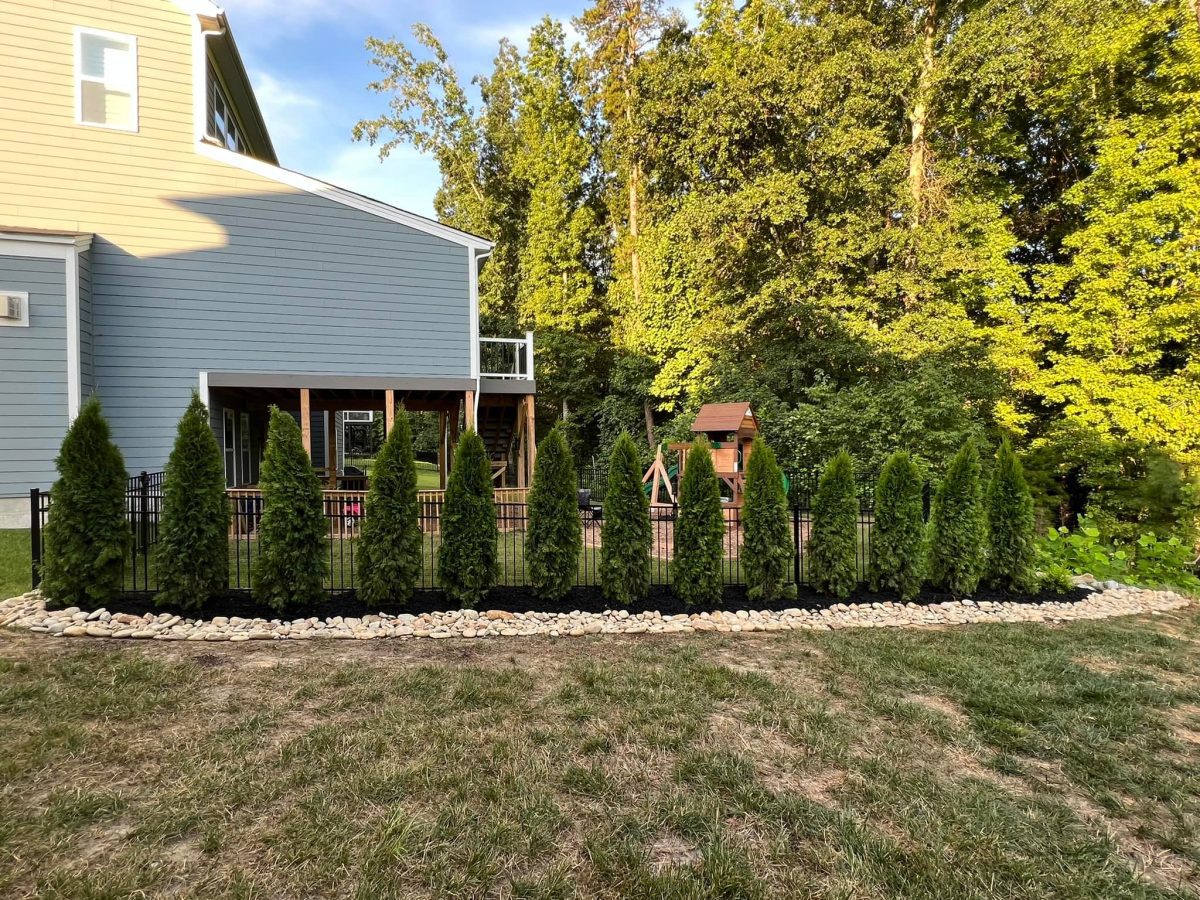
{"points": [[15, 562], [992, 761]]}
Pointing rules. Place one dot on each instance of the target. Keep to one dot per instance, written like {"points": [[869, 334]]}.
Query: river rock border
{"points": [[1107, 600]]}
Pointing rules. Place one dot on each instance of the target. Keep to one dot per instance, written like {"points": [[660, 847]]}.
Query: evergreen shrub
{"points": [[555, 536], [768, 549], [87, 534], [833, 545], [626, 534], [290, 567], [192, 555], [467, 566], [699, 531], [390, 552]]}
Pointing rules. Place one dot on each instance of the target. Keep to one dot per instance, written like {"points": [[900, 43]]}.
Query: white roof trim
{"points": [[344, 197], [199, 7], [78, 241]]}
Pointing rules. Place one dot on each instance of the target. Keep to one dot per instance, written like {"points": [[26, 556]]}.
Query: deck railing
{"points": [[506, 357]]}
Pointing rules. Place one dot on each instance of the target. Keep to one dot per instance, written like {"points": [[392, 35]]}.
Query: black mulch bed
{"points": [[521, 599]]}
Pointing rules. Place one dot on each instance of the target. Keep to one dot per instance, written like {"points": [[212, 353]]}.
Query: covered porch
{"points": [[500, 407]]}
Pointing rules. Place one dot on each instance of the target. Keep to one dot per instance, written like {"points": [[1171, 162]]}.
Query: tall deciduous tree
{"points": [[192, 554], [87, 535]]}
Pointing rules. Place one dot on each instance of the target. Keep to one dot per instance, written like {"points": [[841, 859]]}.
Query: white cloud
{"points": [[405, 179], [290, 109]]}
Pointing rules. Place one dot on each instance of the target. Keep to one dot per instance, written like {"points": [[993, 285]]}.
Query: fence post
{"points": [[143, 511], [796, 543], [35, 534]]}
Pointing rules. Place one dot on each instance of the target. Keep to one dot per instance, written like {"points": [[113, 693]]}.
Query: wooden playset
{"points": [[730, 429]]}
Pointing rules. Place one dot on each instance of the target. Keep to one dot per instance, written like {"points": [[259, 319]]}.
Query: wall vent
{"points": [[11, 307]]}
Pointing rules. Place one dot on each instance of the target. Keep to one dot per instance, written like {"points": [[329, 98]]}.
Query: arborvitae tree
{"points": [[555, 537], [626, 535], [87, 535], [699, 531], [290, 569], [192, 556], [833, 568], [1012, 551], [389, 561], [898, 532], [768, 548], [467, 554], [956, 525]]}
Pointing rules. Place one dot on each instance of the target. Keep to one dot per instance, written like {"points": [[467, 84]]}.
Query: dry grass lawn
{"points": [[991, 761]]}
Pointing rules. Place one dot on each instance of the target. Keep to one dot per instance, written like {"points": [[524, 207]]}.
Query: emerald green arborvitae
{"points": [[467, 554], [1012, 550], [87, 534], [192, 555], [626, 534], [555, 537], [898, 532], [389, 561], [767, 549], [956, 526], [290, 569], [699, 531], [833, 566]]}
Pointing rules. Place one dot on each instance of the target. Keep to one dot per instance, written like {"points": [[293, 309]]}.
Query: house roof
{"points": [[723, 417], [265, 164]]}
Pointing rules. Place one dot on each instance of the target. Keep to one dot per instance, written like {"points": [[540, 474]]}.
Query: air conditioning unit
{"points": [[10, 307]]}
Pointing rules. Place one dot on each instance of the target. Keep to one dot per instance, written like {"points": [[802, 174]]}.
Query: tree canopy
{"points": [[889, 227]]}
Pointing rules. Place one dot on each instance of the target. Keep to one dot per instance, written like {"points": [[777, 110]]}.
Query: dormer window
{"points": [[222, 124], [106, 79]]}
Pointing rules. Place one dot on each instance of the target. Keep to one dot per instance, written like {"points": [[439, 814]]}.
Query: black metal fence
{"points": [[344, 514]]}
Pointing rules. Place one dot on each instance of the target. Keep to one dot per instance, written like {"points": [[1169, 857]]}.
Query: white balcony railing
{"points": [[506, 357]]}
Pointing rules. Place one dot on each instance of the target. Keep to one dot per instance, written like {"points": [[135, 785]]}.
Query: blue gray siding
{"points": [[87, 382], [33, 377], [303, 285]]}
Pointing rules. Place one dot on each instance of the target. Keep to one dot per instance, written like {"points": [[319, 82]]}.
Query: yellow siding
{"points": [[125, 186]]}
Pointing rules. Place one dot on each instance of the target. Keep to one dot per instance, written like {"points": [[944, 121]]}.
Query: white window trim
{"points": [[22, 322], [79, 77]]}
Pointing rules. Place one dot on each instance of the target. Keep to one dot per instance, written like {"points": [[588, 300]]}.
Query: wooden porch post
{"points": [[306, 421], [331, 448], [389, 411], [469, 415], [521, 438], [530, 436], [443, 449]]}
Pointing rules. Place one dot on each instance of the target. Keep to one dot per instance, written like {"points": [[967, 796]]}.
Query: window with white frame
{"points": [[106, 79], [222, 124], [230, 446]]}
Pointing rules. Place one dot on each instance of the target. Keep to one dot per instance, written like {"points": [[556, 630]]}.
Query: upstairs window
{"points": [[106, 79], [222, 124]]}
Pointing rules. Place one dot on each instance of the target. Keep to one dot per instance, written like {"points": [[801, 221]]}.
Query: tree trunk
{"points": [[635, 165], [918, 159], [649, 413]]}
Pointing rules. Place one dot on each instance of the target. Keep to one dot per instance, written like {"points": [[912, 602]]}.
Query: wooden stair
{"points": [[497, 427]]}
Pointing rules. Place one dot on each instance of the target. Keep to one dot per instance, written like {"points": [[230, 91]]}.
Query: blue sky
{"points": [[310, 73]]}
